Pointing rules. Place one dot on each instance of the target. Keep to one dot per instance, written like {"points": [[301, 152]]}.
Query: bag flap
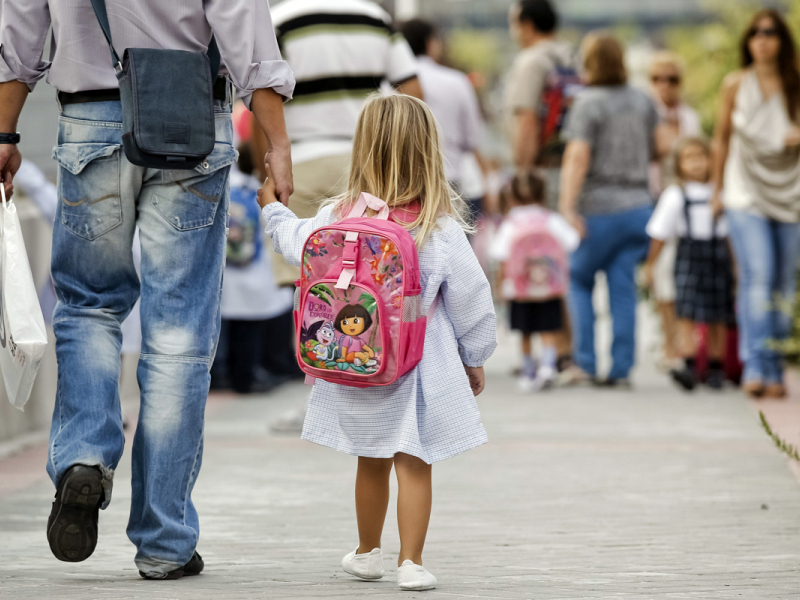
{"points": [[172, 102], [74, 157]]}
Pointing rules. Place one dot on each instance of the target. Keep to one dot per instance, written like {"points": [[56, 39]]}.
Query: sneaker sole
{"points": [[420, 588], [364, 577], [73, 533]]}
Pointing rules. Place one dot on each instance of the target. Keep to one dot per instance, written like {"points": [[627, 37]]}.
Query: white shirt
{"points": [[340, 52], [452, 99], [669, 220], [564, 233], [249, 293]]}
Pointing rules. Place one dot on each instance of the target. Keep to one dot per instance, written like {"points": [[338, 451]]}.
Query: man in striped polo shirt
{"points": [[340, 52]]}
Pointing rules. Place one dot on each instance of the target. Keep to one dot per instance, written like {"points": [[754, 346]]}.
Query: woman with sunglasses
{"points": [[679, 120], [757, 146]]}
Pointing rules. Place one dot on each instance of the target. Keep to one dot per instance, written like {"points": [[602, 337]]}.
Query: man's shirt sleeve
{"points": [[24, 25], [246, 39]]}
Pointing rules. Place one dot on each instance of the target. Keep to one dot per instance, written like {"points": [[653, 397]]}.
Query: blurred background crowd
{"points": [[587, 113]]}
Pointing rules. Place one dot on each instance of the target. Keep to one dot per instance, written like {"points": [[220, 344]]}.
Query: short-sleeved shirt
{"points": [[528, 77], [669, 219], [340, 52], [619, 124]]}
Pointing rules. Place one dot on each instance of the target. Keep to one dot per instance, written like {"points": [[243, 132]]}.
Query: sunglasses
{"points": [[767, 32], [670, 79]]}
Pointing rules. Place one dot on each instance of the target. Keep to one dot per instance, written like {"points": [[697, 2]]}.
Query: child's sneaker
{"points": [[413, 577], [716, 380], [526, 383], [684, 377], [365, 566], [545, 379]]}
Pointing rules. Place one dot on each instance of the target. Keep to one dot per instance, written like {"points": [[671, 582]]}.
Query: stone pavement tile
{"points": [[579, 494]]}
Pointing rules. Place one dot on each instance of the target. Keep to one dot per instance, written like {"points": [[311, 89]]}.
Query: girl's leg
{"points": [[668, 326], [717, 336], [528, 365], [550, 349], [414, 498], [372, 500]]}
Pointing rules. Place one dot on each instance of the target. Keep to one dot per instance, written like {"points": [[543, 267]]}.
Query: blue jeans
{"points": [[182, 218], [616, 244], [766, 253]]}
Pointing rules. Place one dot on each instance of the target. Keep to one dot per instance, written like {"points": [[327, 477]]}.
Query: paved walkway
{"points": [[580, 494]]}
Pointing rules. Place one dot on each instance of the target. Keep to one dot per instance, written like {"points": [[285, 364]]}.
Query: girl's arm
{"points": [[722, 137], [467, 300], [656, 246], [288, 233]]}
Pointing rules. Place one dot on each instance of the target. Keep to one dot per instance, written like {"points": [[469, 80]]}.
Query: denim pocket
{"points": [[89, 188], [190, 201]]}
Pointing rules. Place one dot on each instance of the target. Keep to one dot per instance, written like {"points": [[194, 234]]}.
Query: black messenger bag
{"points": [[167, 102]]}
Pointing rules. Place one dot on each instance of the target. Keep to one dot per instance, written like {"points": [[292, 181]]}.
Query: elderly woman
{"points": [[611, 135]]}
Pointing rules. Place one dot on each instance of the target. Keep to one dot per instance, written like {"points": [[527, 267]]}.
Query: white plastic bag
{"points": [[23, 337]]}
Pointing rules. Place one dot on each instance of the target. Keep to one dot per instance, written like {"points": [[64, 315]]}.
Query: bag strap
{"points": [[101, 13], [366, 201]]}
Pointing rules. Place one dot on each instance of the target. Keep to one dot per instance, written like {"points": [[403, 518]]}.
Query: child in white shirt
{"points": [[535, 272], [703, 269]]}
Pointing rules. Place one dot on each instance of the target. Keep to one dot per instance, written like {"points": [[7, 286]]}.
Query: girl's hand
{"points": [[647, 275], [477, 380], [267, 195]]}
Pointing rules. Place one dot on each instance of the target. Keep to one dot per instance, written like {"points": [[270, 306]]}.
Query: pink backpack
{"points": [[358, 308], [537, 268]]}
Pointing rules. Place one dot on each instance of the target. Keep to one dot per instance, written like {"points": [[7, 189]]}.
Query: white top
{"points": [[452, 99], [430, 412], [669, 220], [563, 232], [249, 293], [340, 52], [761, 174]]}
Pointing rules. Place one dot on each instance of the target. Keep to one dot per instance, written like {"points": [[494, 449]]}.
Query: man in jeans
{"points": [[181, 216]]}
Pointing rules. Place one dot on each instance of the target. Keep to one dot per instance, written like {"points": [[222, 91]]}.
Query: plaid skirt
{"points": [[704, 281]]}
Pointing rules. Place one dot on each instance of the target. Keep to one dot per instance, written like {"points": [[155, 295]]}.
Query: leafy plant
{"points": [[324, 293], [789, 449]]}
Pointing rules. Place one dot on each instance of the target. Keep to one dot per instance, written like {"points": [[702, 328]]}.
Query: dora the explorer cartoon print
{"points": [[351, 322]]}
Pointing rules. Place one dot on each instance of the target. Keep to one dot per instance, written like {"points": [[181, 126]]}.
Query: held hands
{"points": [[10, 161], [717, 207], [477, 380], [268, 194], [279, 169]]}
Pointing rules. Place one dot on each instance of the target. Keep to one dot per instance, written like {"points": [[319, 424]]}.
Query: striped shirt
{"points": [[79, 55], [340, 52]]}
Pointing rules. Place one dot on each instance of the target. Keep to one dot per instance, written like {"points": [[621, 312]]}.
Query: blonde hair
{"points": [[398, 158], [665, 58], [604, 60], [690, 142]]}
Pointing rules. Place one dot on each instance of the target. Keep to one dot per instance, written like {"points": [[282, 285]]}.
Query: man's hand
{"points": [[717, 207], [10, 160], [267, 194], [279, 172], [477, 380]]}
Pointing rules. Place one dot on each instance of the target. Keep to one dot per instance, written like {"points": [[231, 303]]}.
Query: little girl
{"points": [[539, 240], [704, 267], [430, 414]]}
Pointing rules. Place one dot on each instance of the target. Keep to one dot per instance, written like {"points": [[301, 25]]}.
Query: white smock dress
{"points": [[430, 412]]}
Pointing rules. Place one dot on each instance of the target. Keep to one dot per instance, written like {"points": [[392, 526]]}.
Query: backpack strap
{"points": [[366, 201]]}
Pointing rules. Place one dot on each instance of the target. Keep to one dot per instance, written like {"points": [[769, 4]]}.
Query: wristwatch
{"points": [[9, 138]]}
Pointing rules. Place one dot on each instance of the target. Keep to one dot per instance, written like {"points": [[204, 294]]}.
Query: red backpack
{"points": [[561, 87]]}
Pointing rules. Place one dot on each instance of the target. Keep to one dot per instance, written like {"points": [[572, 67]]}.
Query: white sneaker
{"points": [[414, 577], [545, 379], [366, 566], [525, 383]]}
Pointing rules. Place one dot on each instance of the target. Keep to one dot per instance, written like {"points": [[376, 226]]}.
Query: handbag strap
{"points": [[100, 11]]}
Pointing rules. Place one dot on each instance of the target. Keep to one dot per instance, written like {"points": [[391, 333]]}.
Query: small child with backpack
{"points": [[532, 246], [704, 266], [386, 268]]}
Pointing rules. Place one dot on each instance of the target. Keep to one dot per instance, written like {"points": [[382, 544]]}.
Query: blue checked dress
{"points": [[430, 412]]}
